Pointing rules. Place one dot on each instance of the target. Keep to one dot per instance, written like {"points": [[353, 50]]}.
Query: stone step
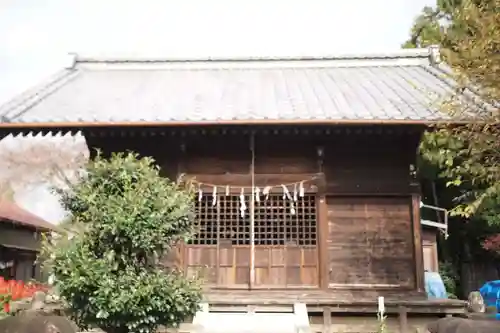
{"points": [[252, 321]]}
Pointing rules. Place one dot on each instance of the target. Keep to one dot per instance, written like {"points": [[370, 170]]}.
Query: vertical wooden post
{"points": [[252, 211], [403, 320], [323, 228], [323, 241], [327, 320], [180, 173], [417, 241], [217, 269]]}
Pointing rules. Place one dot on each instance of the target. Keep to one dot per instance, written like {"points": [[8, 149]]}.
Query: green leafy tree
{"points": [[467, 156], [426, 29], [437, 22], [124, 218]]}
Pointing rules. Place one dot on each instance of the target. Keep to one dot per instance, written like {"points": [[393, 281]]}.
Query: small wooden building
{"points": [[430, 249], [431, 231], [20, 241], [304, 168]]}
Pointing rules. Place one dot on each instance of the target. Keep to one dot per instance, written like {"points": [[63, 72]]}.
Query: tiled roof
{"points": [[404, 86], [10, 211]]}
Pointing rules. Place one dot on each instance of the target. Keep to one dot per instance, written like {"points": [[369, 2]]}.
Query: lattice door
{"points": [[285, 242]]}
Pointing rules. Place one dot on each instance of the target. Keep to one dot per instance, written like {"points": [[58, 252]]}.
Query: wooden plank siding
{"points": [[417, 242], [362, 188], [430, 250], [19, 246], [370, 242]]}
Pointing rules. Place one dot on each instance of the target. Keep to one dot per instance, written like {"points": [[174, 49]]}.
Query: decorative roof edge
{"points": [[403, 53], [404, 57], [34, 95]]}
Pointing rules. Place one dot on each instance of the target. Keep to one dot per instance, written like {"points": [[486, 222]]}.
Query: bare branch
{"points": [[35, 160]]}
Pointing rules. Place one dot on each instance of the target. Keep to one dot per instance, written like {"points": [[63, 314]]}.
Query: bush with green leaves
{"points": [[124, 217]]}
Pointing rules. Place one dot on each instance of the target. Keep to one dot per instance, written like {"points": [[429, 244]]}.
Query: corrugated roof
{"points": [[12, 212], [403, 86]]}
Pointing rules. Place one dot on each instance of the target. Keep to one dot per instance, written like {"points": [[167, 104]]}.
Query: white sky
{"points": [[36, 35]]}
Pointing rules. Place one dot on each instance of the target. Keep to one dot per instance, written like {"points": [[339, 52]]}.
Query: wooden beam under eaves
{"points": [[288, 130]]}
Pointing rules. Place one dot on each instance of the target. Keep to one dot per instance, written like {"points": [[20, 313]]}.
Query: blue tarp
{"points": [[490, 292], [434, 286]]}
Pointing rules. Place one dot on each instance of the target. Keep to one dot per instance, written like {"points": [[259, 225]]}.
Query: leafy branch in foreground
{"points": [[469, 155], [127, 219]]}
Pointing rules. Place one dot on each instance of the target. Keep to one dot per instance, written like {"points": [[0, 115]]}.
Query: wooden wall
{"points": [[20, 246], [430, 249], [370, 242], [366, 238], [16, 236], [353, 162]]}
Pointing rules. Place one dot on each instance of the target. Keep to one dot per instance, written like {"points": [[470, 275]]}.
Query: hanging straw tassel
{"points": [[295, 192], [200, 194], [257, 194], [214, 196], [301, 189], [286, 193], [266, 191], [243, 206]]}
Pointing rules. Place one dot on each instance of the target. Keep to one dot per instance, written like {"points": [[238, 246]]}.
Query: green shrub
{"points": [[449, 277], [124, 217]]}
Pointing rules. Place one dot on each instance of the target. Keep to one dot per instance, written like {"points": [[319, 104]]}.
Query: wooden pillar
{"points": [[327, 320], [252, 211], [417, 242], [403, 319], [323, 228], [181, 160], [323, 241]]}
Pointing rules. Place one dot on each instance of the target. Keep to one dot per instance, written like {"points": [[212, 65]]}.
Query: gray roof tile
{"points": [[403, 86]]}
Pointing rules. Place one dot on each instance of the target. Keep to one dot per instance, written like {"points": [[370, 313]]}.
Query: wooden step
{"points": [[252, 319]]}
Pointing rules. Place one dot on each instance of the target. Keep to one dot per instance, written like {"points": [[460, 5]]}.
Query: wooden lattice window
{"points": [[276, 223]]}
